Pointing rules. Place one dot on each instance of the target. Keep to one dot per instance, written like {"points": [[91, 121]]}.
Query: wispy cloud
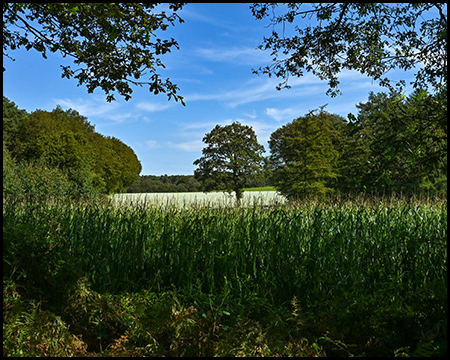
{"points": [[236, 55], [196, 16], [260, 89], [152, 107], [190, 146], [283, 114], [306, 87], [152, 144], [198, 130], [97, 107], [252, 115], [262, 129], [94, 106], [204, 125]]}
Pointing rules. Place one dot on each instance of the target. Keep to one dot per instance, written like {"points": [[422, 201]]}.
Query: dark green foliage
{"points": [[59, 137], [113, 44], [13, 119], [35, 254], [304, 155], [396, 145], [117, 164], [12, 182], [39, 180]]}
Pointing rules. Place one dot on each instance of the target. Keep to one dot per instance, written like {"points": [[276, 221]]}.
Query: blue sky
{"points": [[213, 69]]}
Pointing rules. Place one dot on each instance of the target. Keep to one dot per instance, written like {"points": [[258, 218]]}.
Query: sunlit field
{"points": [[214, 199]]}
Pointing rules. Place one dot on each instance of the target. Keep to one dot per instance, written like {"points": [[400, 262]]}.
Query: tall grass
{"points": [[315, 252]]}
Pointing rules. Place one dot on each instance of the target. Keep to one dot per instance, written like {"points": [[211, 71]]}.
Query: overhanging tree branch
{"points": [[113, 40]]}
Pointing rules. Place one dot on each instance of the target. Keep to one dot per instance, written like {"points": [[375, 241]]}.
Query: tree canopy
{"points": [[231, 157], [304, 155], [114, 45], [371, 38]]}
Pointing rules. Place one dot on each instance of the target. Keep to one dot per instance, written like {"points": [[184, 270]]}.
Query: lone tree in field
{"points": [[232, 156]]}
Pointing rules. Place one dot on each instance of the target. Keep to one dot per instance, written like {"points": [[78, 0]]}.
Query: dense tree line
{"points": [[181, 183], [59, 153], [395, 144], [401, 143], [164, 183]]}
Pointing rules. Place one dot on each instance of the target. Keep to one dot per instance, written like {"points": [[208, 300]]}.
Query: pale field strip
{"points": [[251, 198]]}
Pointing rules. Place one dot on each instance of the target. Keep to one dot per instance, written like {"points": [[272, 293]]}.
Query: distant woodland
{"points": [[164, 183], [59, 153], [177, 183]]}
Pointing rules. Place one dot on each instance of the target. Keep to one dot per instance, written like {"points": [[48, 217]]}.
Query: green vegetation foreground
{"points": [[345, 278]]}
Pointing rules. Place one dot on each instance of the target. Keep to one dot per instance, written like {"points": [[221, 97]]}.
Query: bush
{"points": [[37, 180]]}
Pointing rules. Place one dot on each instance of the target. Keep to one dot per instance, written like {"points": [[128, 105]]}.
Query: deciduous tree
{"points": [[304, 156], [231, 157]]}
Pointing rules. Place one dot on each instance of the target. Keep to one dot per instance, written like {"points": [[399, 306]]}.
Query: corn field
{"points": [[312, 252]]}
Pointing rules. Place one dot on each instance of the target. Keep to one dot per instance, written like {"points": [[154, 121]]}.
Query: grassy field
{"points": [[343, 278]]}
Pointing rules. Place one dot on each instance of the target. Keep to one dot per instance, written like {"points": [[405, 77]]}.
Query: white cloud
{"points": [[252, 115], [195, 15], [190, 146], [205, 125], [97, 107], [240, 55], [259, 89], [152, 107], [280, 115], [234, 97], [119, 118], [94, 106], [152, 144], [306, 89], [263, 130], [198, 125]]}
